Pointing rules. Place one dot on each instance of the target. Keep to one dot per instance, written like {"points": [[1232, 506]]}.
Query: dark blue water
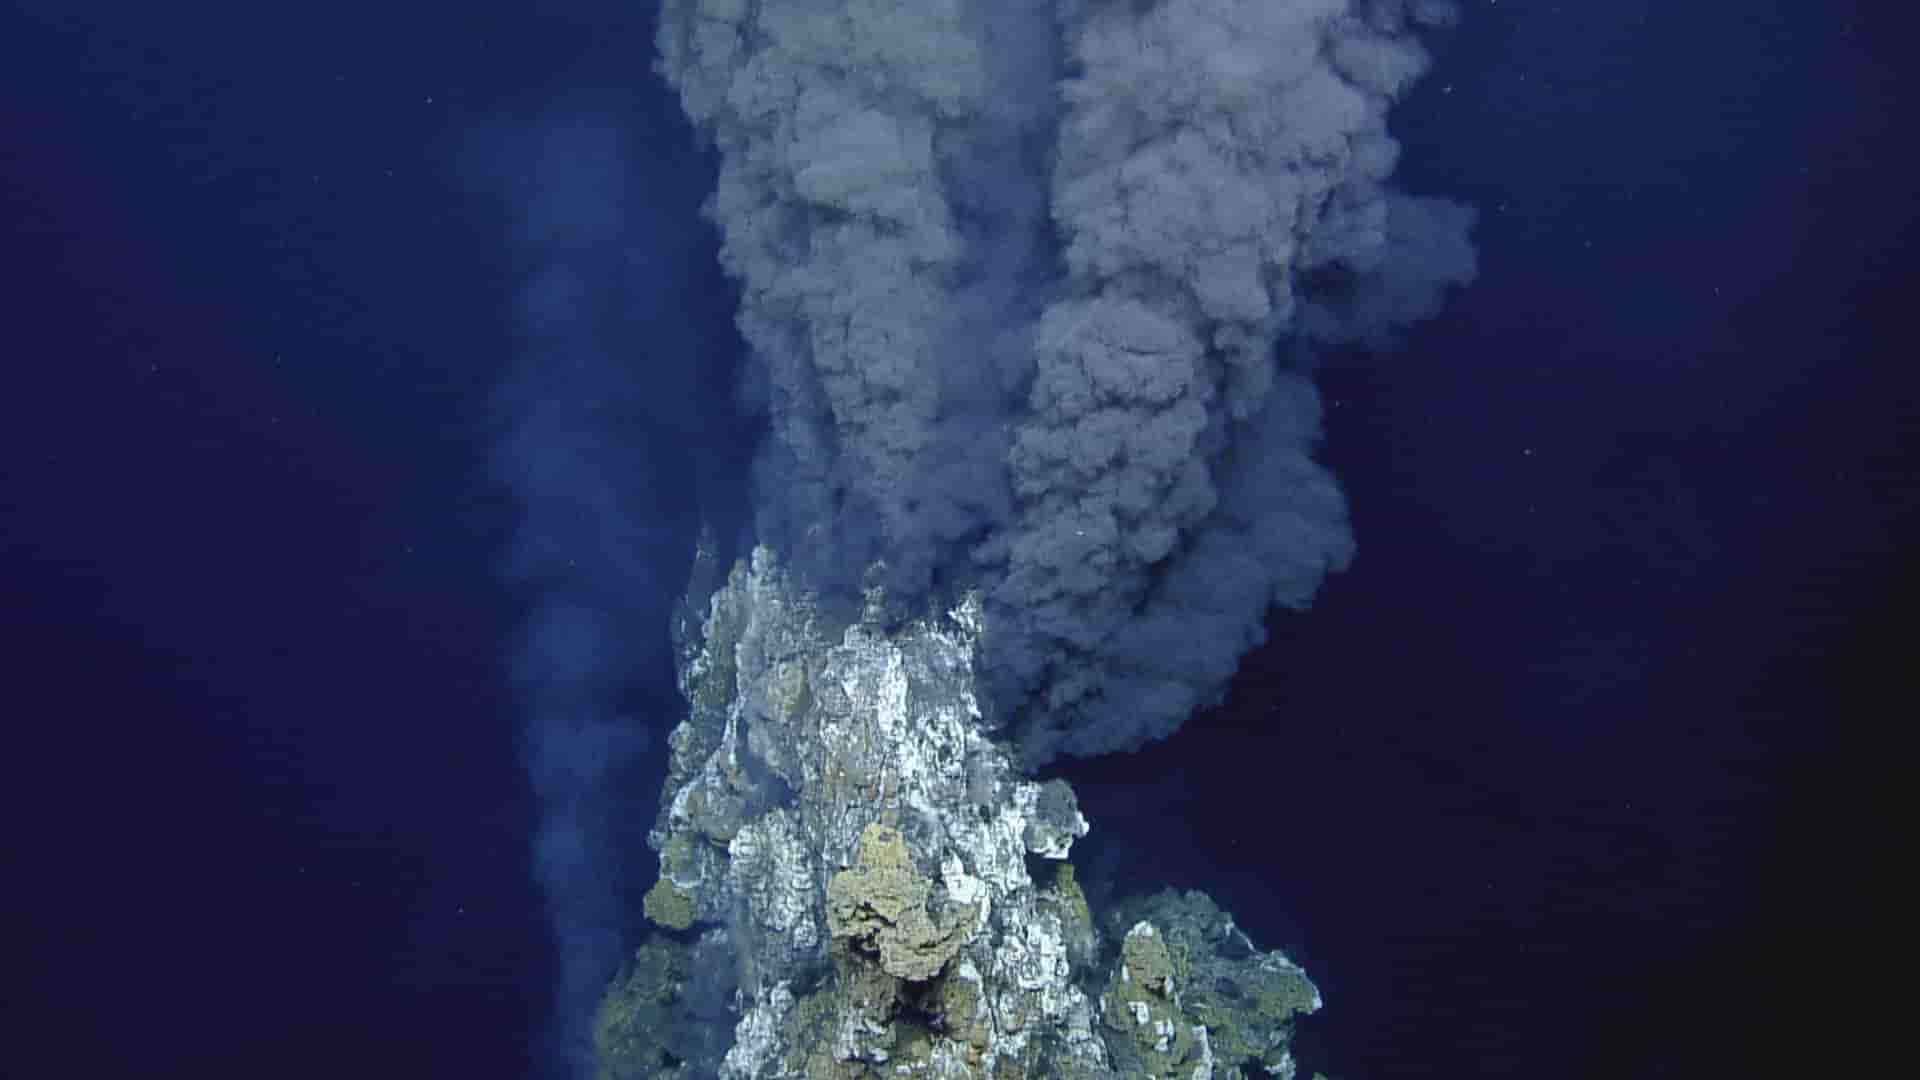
{"points": [[1575, 773], [1572, 774]]}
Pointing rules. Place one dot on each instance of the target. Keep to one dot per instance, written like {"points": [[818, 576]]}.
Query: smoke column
{"points": [[1032, 293], [600, 425]]}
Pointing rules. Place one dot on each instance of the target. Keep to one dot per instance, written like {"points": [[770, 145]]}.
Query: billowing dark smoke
{"points": [[601, 426], [1030, 289]]}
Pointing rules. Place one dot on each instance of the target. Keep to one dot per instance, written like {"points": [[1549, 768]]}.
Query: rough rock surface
{"points": [[855, 883]]}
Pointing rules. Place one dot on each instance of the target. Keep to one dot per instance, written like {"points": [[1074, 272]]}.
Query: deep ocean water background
{"points": [[1575, 773]]}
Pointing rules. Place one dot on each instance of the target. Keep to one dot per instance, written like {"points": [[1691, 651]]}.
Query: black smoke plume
{"points": [[1031, 292]]}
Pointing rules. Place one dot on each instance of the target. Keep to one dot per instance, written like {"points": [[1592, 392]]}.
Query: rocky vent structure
{"points": [[855, 883]]}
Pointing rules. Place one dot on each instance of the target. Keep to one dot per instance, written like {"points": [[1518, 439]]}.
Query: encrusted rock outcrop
{"points": [[854, 882]]}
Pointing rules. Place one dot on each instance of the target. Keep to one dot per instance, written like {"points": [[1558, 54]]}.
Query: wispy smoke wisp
{"points": [[602, 421]]}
